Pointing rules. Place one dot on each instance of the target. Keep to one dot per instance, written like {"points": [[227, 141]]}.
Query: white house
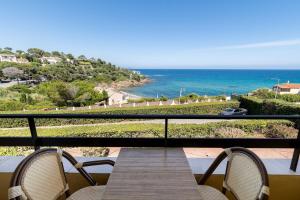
{"points": [[287, 88], [116, 97], [8, 58], [51, 60]]}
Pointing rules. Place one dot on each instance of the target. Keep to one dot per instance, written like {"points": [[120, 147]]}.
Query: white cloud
{"points": [[279, 43]]}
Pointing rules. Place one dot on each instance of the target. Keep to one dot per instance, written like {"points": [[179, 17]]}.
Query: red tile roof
{"points": [[289, 86]]}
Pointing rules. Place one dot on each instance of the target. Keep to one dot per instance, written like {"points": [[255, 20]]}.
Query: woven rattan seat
{"points": [[40, 176], [88, 193], [207, 192], [246, 177]]}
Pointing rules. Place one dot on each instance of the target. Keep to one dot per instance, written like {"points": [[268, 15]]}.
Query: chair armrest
{"points": [[79, 166], [98, 162], [212, 168]]}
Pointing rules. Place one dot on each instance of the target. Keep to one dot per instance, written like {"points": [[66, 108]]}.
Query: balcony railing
{"points": [[165, 141]]}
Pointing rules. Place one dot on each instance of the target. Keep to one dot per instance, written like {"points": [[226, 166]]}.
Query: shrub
{"points": [[92, 151], [20, 88], [11, 105], [268, 94], [230, 132], [41, 105], [142, 100], [290, 97], [280, 131], [78, 93], [264, 93], [163, 98], [193, 96], [220, 98]]}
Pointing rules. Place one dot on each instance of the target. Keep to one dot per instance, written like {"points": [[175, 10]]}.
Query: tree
{"points": [[26, 99], [70, 56], [56, 54], [20, 52], [8, 48], [1, 74], [35, 52], [47, 54], [12, 72], [104, 94], [72, 92], [23, 89], [23, 98], [81, 57]]}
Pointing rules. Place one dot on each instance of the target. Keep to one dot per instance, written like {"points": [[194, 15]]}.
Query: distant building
{"points": [[136, 72], [51, 60], [22, 60], [70, 61], [287, 88], [115, 97], [8, 58]]}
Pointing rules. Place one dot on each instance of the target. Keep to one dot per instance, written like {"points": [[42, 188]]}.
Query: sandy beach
{"points": [[116, 93]]}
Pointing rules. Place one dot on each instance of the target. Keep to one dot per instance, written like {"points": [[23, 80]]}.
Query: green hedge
{"points": [[290, 97], [252, 104], [258, 106], [249, 127], [199, 108]]}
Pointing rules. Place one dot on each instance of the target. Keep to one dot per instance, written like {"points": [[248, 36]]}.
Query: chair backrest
{"points": [[39, 176], [246, 177]]}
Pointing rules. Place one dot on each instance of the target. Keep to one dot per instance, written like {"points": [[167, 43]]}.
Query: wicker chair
{"points": [[40, 176], [246, 177]]}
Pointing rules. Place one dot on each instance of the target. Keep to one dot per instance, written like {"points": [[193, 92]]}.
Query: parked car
{"points": [[234, 111]]}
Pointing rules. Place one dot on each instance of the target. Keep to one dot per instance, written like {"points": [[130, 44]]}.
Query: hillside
{"points": [[51, 79], [41, 65]]}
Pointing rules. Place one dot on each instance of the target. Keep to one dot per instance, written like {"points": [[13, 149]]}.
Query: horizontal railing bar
{"points": [[148, 116], [16, 141], [151, 142]]}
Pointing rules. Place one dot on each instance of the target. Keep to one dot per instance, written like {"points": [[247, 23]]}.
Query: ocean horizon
{"points": [[212, 82]]}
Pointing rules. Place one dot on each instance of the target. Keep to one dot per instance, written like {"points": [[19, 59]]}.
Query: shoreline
{"points": [[129, 83], [117, 87]]}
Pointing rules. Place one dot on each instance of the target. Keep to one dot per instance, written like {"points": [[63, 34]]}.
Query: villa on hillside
{"points": [[12, 58], [8, 58], [287, 88], [51, 60], [136, 72]]}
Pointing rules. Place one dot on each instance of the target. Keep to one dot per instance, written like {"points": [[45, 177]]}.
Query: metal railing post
{"points": [[166, 132], [296, 153], [33, 133]]}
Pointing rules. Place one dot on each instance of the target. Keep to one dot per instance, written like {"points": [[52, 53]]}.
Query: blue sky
{"points": [[160, 33]]}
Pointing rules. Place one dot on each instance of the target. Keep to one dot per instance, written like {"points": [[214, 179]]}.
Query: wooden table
{"points": [[151, 173]]}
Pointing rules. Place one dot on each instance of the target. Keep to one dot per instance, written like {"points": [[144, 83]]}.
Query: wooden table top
{"points": [[151, 173]]}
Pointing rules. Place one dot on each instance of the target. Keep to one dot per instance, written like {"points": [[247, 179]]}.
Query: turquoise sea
{"points": [[168, 82]]}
